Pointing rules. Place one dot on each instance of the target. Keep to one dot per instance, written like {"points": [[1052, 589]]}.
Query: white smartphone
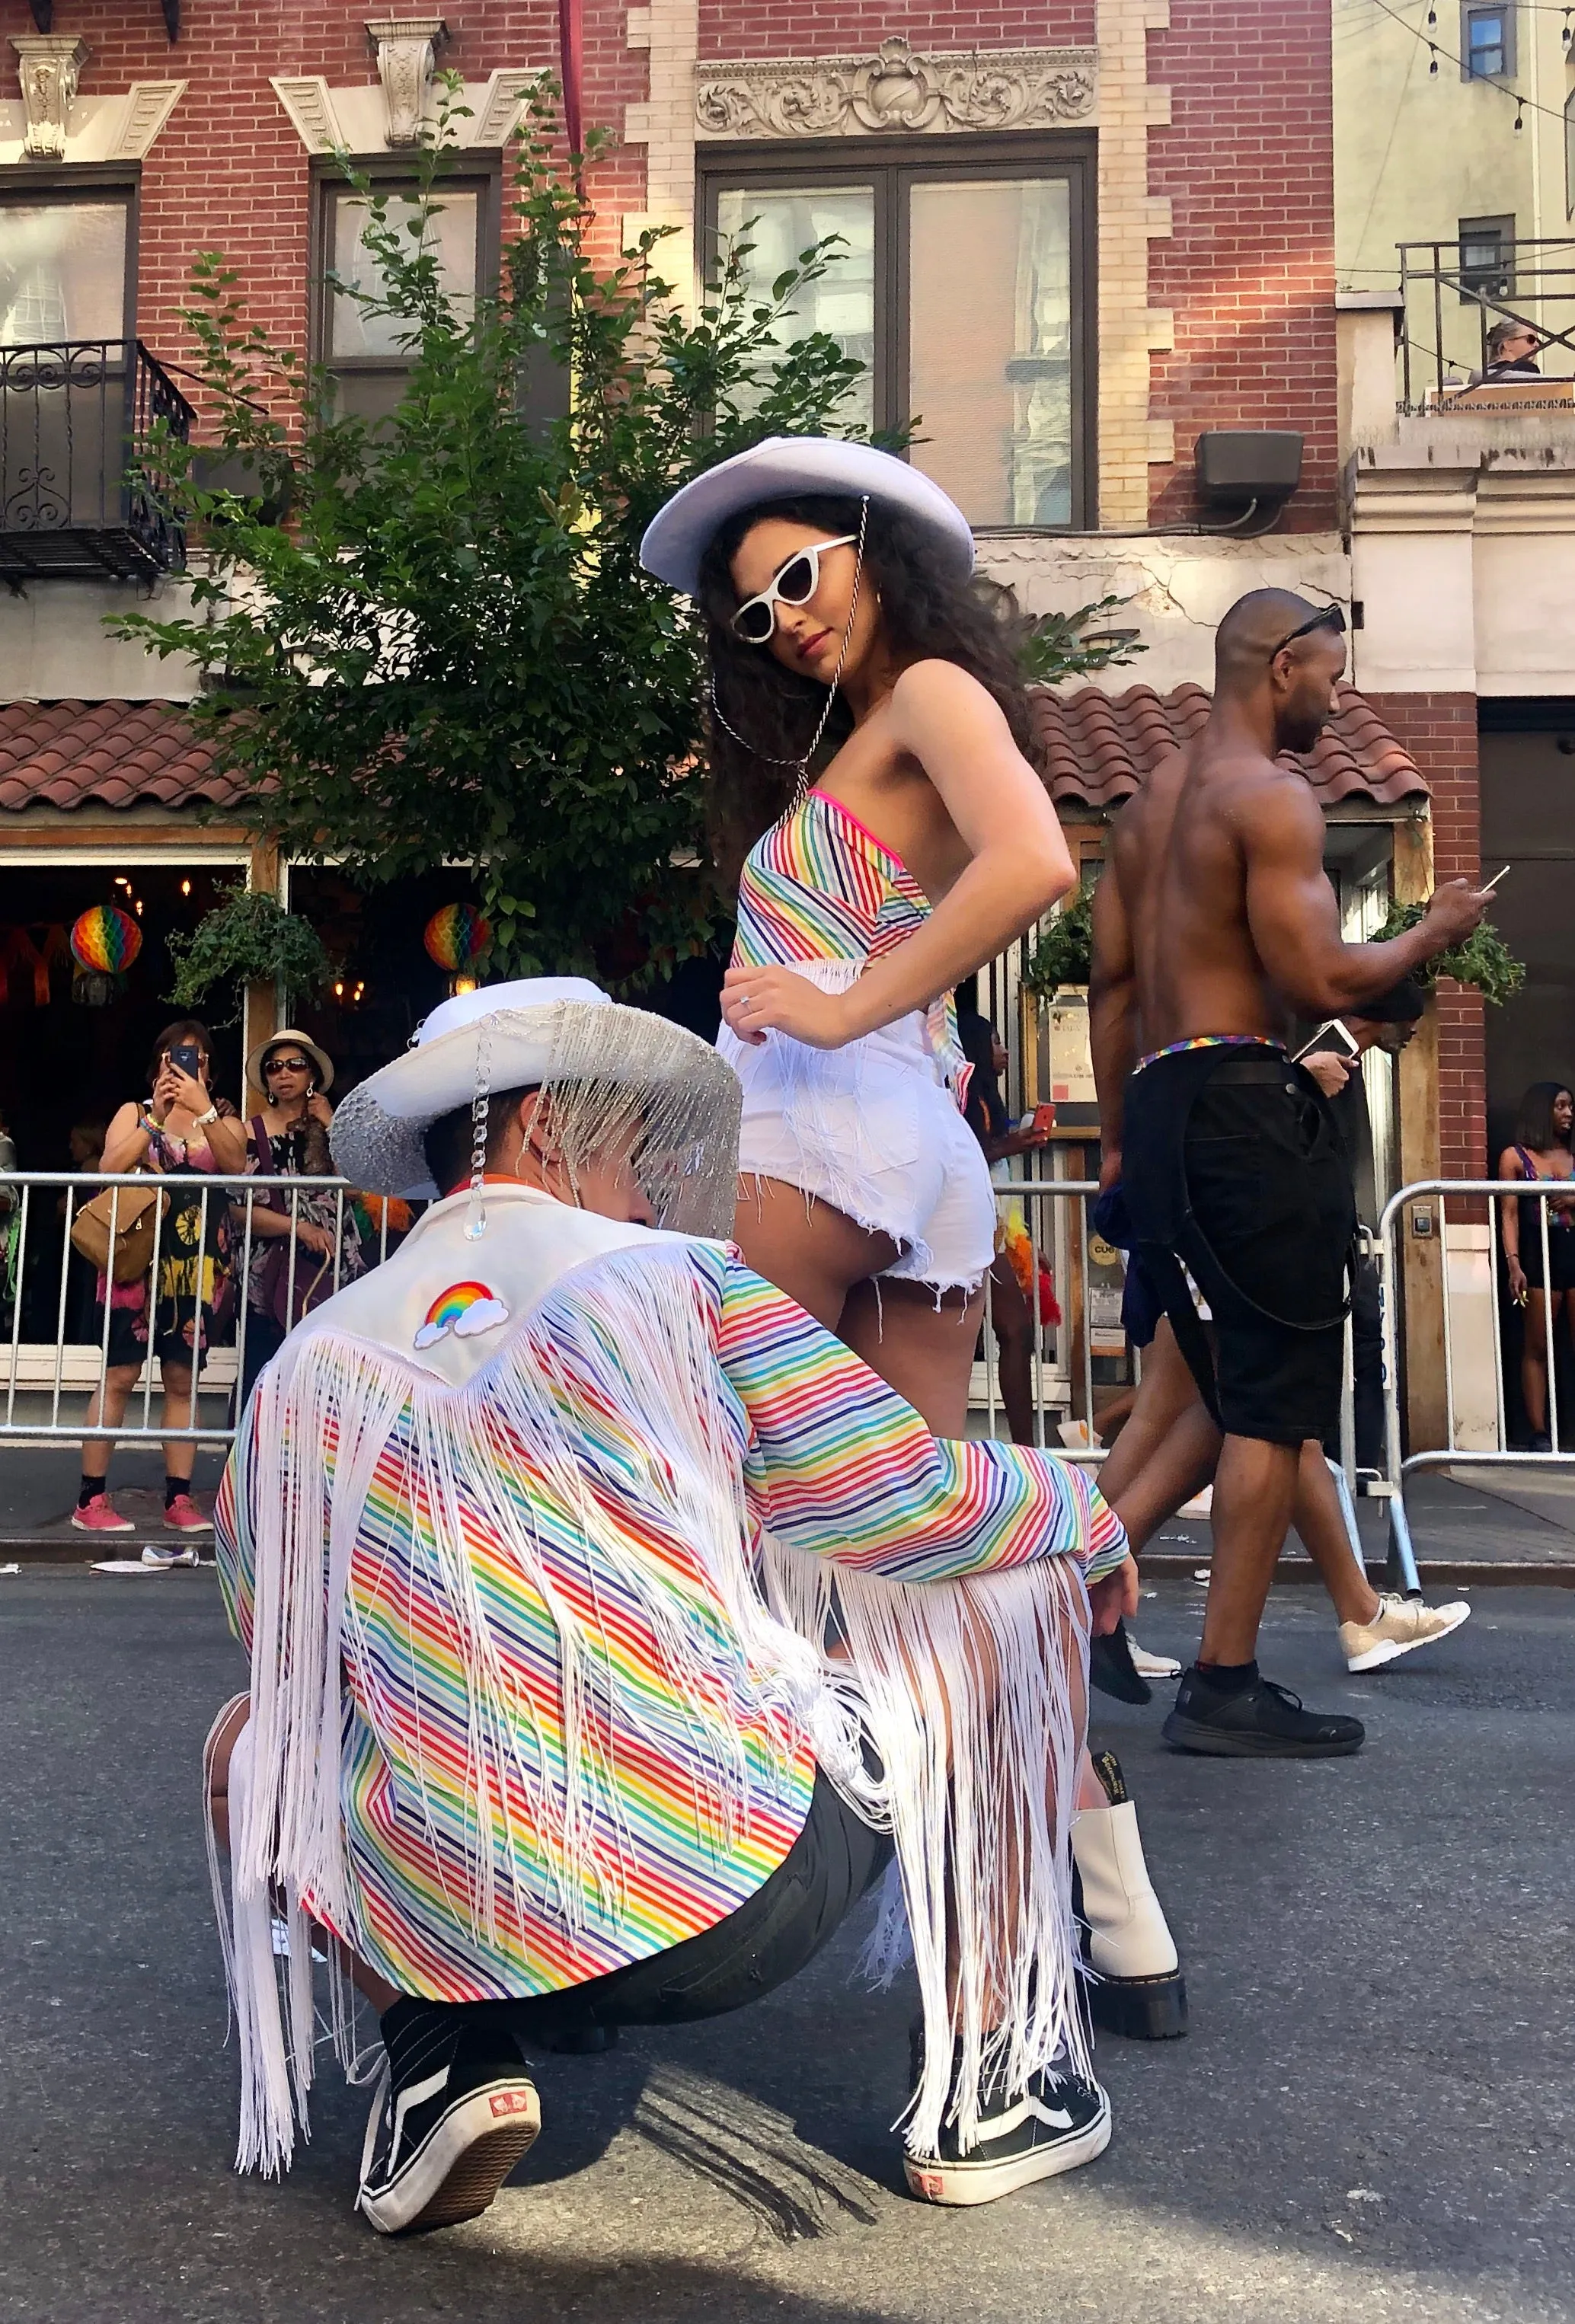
{"points": [[1331, 1034]]}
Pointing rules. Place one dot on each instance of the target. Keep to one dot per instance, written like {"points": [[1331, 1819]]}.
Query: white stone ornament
{"points": [[898, 89], [406, 61], [47, 65]]}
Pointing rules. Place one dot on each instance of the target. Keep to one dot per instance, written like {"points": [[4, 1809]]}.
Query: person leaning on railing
{"points": [[290, 1139], [180, 1130]]}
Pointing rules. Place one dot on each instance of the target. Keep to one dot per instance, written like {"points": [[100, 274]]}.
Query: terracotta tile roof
{"points": [[113, 754], [1094, 750]]}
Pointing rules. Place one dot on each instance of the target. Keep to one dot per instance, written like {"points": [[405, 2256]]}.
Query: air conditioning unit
{"points": [[1237, 466]]}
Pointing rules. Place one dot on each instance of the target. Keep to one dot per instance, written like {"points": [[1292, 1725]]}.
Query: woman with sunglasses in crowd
{"points": [[289, 1139], [868, 731]]}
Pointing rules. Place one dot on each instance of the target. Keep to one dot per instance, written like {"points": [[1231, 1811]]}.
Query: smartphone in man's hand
{"points": [[1331, 1034]]}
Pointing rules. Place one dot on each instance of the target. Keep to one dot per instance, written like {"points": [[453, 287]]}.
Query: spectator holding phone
{"points": [[1541, 1149], [178, 1131]]}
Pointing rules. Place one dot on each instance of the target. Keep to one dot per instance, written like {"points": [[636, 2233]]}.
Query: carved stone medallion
{"points": [[895, 89]]}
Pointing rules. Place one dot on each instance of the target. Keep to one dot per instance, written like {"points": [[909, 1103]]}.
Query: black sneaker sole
{"points": [[1183, 1734], [1143, 2008], [459, 2167]]}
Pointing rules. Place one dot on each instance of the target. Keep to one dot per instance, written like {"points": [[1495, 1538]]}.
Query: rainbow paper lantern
{"points": [[106, 940], [456, 938]]}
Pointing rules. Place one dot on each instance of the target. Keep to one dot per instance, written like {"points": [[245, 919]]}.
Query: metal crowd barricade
{"points": [[1063, 1355], [50, 1371], [1402, 1466]]}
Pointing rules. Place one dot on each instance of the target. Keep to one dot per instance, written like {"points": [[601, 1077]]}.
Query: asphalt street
{"points": [[1369, 2120]]}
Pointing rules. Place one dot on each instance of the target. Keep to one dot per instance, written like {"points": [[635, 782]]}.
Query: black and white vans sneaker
{"points": [[453, 2112], [1057, 2122]]}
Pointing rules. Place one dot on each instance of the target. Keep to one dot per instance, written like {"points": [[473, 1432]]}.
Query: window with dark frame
{"points": [[1487, 259], [361, 351], [960, 283], [66, 264], [1486, 42]]}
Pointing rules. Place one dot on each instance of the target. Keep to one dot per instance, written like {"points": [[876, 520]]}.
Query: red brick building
{"points": [[1077, 238]]}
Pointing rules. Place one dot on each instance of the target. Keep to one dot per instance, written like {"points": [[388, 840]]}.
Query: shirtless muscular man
{"points": [[1215, 923]]}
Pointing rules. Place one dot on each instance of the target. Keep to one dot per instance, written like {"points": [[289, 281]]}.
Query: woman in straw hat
{"points": [[303, 1247], [848, 644]]}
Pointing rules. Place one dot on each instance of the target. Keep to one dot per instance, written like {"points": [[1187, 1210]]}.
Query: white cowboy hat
{"points": [[782, 468], [562, 1034], [319, 1055]]}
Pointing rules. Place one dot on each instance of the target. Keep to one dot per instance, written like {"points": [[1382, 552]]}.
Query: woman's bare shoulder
{"points": [[1510, 1165], [937, 684]]}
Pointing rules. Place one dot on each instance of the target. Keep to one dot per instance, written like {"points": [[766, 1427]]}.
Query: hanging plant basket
{"points": [[249, 938]]}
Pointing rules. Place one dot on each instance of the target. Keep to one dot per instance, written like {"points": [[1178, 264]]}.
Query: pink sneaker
{"points": [[183, 1516], [98, 1517]]}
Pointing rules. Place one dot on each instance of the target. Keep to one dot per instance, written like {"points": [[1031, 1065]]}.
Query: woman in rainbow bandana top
{"points": [[846, 638]]}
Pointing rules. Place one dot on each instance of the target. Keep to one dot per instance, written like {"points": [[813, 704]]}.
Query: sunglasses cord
{"points": [[803, 763]]}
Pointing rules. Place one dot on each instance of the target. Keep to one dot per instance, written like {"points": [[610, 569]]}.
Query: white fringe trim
{"points": [[985, 1662]]}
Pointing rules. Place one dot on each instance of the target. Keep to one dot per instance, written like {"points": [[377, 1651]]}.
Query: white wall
{"points": [[1177, 587], [54, 646]]}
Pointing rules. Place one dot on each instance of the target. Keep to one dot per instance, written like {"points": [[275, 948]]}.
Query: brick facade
{"points": [[1248, 268], [1439, 731], [1216, 289]]}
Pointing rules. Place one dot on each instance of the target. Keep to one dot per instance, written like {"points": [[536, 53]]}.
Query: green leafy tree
{"points": [[428, 639]]}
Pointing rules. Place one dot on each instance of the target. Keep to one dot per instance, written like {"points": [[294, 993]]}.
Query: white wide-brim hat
{"points": [[562, 1034], [782, 468]]}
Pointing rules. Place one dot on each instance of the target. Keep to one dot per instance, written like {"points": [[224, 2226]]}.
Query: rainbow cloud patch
{"points": [[465, 1309]]}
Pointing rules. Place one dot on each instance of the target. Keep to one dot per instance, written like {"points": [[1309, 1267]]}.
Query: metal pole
{"points": [[1448, 1331], [16, 1305], [1548, 1323]]}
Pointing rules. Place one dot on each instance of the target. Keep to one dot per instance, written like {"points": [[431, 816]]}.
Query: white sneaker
{"points": [[161, 1554], [1149, 1665], [1399, 1625]]}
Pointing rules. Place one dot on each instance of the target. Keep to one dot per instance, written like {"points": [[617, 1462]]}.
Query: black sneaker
{"points": [[1264, 1721], [1056, 2122], [454, 2111], [1111, 1668]]}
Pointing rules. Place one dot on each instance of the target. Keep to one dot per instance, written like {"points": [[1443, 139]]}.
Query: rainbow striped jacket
{"points": [[492, 1534]]}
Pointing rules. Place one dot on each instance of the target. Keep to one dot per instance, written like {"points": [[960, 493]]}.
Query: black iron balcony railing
{"points": [[1456, 292], [80, 461]]}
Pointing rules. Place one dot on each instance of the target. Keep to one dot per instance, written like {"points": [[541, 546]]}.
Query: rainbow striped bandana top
{"points": [[820, 893], [531, 1540]]}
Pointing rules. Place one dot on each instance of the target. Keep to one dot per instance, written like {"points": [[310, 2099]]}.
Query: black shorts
{"points": [[1560, 1255], [1233, 1165], [835, 1861]]}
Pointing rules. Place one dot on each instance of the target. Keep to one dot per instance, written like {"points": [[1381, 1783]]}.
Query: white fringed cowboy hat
{"points": [[563, 1035], [782, 468]]}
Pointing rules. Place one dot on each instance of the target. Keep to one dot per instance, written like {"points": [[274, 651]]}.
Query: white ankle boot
{"points": [[1138, 1986]]}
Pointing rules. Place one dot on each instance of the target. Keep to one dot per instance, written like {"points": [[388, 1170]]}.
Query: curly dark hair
{"points": [[1533, 1118], [927, 613]]}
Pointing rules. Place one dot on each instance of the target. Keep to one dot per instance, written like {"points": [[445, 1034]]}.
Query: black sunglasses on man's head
{"points": [[1329, 617]]}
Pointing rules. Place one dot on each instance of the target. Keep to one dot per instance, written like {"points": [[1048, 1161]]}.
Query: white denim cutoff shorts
{"points": [[872, 1129]]}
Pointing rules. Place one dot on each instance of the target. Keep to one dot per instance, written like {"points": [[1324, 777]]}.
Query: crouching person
{"points": [[613, 1629]]}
